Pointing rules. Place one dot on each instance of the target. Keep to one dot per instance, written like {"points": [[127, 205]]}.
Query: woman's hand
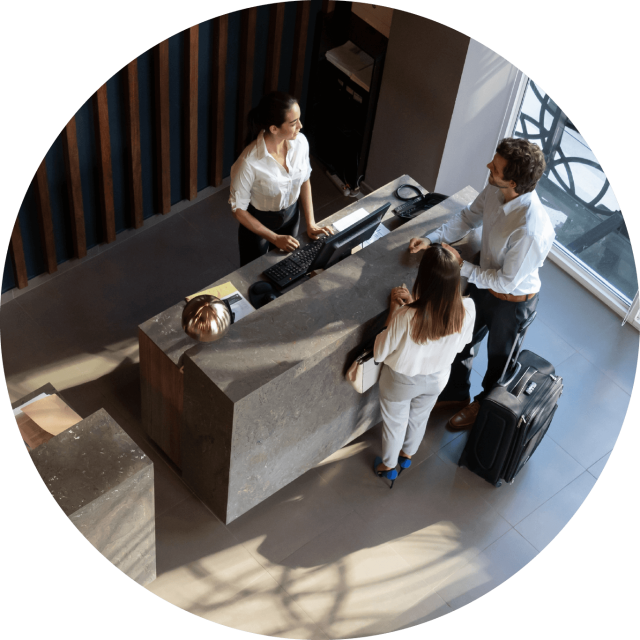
{"points": [[286, 243], [314, 232], [402, 295]]}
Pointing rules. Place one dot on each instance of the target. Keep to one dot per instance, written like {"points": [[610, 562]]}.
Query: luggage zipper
{"points": [[526, 419]]}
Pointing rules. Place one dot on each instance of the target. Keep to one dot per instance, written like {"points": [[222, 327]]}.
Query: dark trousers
{"points": [[502, 321], [285, 222]]}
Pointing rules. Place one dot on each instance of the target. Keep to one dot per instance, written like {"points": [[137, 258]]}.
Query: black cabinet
{"points": [[340, 112]]}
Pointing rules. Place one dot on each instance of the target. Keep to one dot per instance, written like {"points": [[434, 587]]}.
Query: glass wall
{"points": [[577, 195]]}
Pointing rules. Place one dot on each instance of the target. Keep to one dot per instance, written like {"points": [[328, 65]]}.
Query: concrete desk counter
{"points": [[267, 402]]}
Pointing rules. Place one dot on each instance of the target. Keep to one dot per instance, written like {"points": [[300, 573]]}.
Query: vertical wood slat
{"points": [[74, 188], [190, 99], [132, 138], [299, 49], [103, 142], [161, 55], [276, 26], [45, 220], [219, 64], [16, 251], [245, 74]]}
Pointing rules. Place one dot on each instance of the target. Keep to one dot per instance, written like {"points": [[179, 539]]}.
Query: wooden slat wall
{"points": [[74, 188], [220, 43], [276, 26], [163, 177], [45, 219], [190, 99], [245, 74], [16, 251], [134, 155], [299, 49], [103, 141]]}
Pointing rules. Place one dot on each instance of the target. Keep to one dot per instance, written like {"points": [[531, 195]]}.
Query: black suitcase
{"points": [[514, 417]]}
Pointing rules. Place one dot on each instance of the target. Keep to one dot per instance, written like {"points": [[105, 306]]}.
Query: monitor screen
{"points": [[339, 246]]}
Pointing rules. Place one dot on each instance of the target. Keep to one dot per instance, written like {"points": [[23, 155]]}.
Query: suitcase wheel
{"points": [[498, 484]]}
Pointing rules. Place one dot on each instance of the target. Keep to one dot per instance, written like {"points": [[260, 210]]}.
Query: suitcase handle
{"points": [[512, 360], [522, 383]]}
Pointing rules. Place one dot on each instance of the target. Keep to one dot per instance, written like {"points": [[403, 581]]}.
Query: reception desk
{"points": [[244, 416]]}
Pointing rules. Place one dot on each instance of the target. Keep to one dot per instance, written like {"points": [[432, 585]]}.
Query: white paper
{"points": [[240, 308], [381, 232], [352, 218], [18, 410], [349, 58]]}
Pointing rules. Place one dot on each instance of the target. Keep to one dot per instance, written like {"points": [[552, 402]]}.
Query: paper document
{"points": [[240, 306], [352, 218], [381, 232], [52, 414], [354, 62]]}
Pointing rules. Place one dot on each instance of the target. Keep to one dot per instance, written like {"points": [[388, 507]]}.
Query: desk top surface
{"points": [[311, 316]]}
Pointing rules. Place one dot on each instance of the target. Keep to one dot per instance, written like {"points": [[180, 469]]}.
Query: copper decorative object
{"points": [[206, 318]]}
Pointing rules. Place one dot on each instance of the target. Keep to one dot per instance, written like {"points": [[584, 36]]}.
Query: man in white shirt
{"points": [[517, 235]]}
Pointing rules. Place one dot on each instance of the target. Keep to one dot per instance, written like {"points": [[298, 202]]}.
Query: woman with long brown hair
{"points": [[425, 330]]}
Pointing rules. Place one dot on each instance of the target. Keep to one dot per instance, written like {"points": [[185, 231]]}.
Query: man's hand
{"points": [[286, 243], [315, 232], [418, 244]]}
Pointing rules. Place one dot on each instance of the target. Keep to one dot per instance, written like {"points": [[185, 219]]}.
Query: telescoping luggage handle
{"points": [[512, 368]]}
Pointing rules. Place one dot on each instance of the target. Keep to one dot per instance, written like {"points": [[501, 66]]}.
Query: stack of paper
{"points": [[354, 62]]}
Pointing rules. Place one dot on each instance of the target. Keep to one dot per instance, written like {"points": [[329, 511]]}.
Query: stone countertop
{"points": [[165, 329], [321, 311], [88, 460]]}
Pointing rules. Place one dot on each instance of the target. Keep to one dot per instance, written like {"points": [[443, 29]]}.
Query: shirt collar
{"points": [[521, 201], [261, 146]]}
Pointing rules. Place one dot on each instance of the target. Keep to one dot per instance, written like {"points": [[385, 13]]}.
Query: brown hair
{"points": [[271, 110], [437, 302], [525, 163]]}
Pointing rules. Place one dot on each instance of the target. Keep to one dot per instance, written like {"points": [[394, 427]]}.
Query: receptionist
{"points": [[270, 180]]}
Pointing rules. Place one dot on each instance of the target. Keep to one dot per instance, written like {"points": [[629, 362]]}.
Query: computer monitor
{"points": [[339, 245]]}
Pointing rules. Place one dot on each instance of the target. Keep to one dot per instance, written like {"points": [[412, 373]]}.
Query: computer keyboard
{"points": [[295, 265]]}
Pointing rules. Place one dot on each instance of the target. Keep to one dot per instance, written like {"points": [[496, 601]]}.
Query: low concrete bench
{"points": [[104, 483]]}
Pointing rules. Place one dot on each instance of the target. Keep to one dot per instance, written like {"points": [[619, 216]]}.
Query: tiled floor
{"points": [[335, 553]]}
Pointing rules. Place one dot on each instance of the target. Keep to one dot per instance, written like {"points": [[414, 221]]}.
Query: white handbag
{"points": [[364, 372]]}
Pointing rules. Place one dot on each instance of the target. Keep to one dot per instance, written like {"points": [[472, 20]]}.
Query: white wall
{"points": [[489, 88]]}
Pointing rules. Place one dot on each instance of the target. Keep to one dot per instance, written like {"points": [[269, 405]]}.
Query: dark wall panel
{"points": [[147, 131], [29, 228], [88, 153], [316, 9], [260, 59], [205, 71], [59, 197], [231, 98], [8, 281], [118, 136], [286, 50], [176, 73]]}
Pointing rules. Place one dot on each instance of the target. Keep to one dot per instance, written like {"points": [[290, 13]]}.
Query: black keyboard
{"points": [[295, 265]]}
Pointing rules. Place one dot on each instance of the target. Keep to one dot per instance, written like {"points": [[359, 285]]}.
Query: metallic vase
{"points": [[206, 318]]}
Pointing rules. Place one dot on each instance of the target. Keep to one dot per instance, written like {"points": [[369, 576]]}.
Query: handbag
{"points": [[364, 372]]}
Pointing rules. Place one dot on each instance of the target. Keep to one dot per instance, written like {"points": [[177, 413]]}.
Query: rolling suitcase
{"points": [[514, 417]]}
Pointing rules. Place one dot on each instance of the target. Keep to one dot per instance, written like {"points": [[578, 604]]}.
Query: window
{"points": [[589, 226]]}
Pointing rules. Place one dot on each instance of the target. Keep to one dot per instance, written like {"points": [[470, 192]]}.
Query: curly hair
{"points": [[525, 163]]}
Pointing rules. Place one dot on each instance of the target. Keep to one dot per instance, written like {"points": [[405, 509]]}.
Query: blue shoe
{"points": [[392, 474], [404, 463]]}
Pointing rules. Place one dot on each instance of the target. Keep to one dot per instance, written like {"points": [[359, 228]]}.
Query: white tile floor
{"points": [[335, 553]]}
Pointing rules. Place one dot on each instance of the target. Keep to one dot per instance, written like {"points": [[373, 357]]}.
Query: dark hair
{"points": [[437, 298], [271, 110], [525, 163]]}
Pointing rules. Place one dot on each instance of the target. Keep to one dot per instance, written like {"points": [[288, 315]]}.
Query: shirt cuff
{"points": [[238, 203], [467, 269], [432, 237]]}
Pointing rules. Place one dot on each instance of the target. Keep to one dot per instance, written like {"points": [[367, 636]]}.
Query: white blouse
{"points": [[258, 178], [395, 347]]}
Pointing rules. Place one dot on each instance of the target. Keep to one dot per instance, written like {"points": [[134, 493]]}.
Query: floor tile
{"points": [[346, 580], [546, 522], [487, 570], [596, 469], [548, 471], [290, 518], [590, 411]]}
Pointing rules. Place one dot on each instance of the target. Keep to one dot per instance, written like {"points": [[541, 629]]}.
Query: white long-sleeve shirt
{"points": [[395, 347], [516, 238], [258, 178]]}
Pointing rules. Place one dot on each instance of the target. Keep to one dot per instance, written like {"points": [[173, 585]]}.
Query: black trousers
{"points": [[284, 222], [502, 321]]}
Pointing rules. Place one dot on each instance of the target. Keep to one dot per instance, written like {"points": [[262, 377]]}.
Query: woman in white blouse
{"points": [[424, 333], [270, 178]]}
